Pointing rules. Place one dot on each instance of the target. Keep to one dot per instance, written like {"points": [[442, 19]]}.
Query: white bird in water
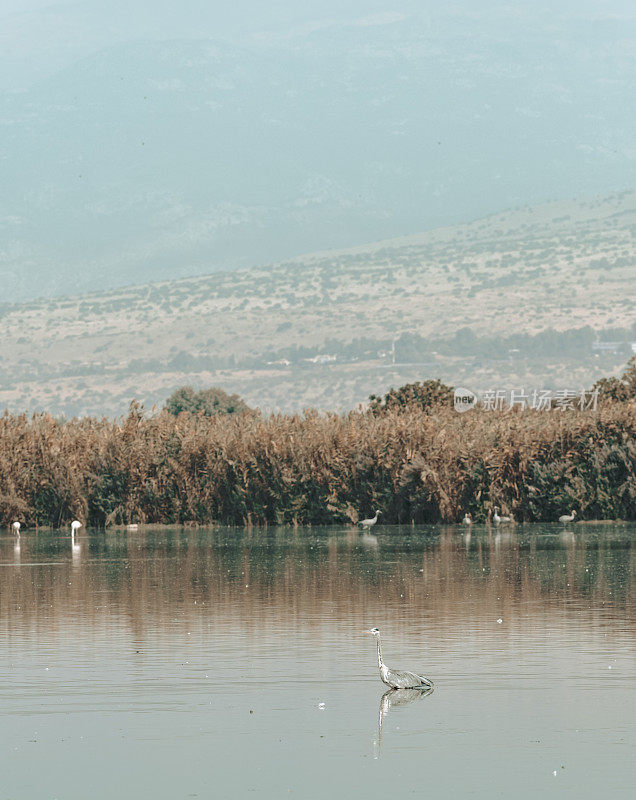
{"points": [[16, 528], [468, 520], [568, 517], [75, 525], [398, 679], [497, 519], [367, 523]]}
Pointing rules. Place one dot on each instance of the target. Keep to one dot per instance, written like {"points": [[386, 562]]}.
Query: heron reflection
{"points": [[396, 698]]}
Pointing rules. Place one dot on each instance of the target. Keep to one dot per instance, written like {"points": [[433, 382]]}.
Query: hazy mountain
{"points": [[518, 299], [147, 146]]}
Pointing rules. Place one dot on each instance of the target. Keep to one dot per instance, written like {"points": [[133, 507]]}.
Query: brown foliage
{"points": [[415, 465]]}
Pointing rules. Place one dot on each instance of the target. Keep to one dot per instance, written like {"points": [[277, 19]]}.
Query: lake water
{"points": [[227, 663]]}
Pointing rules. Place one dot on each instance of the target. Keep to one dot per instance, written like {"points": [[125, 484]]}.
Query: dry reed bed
{"points": [[311, 468]]}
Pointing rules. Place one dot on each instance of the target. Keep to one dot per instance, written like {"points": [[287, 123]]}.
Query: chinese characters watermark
{"points": [[535, 399]]}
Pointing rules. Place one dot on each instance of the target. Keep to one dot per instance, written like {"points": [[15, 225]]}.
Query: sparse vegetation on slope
{"points": [[520, 297]]}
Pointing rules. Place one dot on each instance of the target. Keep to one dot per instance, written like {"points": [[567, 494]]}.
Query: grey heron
{"points": [[368, 523], [398, 679], [568, 517]]}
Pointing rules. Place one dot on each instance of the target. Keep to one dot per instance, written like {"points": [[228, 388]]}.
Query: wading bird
{"points": [[468, 520], [398, 679], [568, 518], [16, 528], [367, 523], [75, 525], [497, 519]]}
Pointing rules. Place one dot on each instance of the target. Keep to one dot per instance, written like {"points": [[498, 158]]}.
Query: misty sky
{"points": [[149, 140]]}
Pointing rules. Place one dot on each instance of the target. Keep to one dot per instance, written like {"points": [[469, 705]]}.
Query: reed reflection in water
{"points": [[195, 662]]}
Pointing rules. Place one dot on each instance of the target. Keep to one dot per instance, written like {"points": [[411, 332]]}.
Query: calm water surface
{"points": [[173, 663]]}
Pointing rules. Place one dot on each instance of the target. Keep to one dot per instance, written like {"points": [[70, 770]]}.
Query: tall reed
{"points": [[415, 466]]}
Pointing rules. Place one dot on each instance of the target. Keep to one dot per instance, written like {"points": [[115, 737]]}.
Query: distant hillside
{"points": [[131, 147], [515, 299]]}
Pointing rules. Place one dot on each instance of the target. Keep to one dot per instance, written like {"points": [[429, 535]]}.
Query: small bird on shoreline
{"points": [[16, 528], [468, 520], [368, 523], [568, 517], [398, 679]]}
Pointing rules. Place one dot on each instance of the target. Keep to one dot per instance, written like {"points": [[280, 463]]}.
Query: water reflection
{"points": [[567, 537], [76, 549], [435, 573], [152, 648], [393, 699]]}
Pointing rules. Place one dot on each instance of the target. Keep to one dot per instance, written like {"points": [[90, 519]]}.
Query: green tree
{"points": [[206, 401], [428, 394], [621, 389]]}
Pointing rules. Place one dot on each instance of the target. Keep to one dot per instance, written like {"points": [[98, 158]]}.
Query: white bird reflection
{"points": [[392, 699], [16, 544], [76, 548], [369, 540], [505, 537]]}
